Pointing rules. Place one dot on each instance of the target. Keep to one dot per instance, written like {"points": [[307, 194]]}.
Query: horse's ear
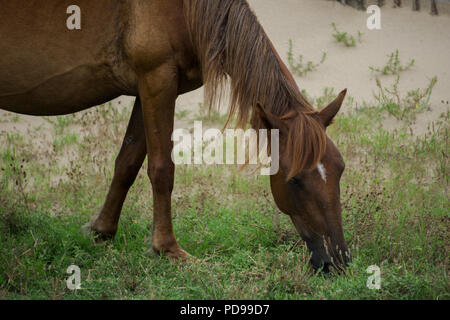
{"points": [[270, 121], [327, 115]]}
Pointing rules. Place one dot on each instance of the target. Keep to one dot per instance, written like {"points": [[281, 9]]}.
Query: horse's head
{"points": [[311, 195]]}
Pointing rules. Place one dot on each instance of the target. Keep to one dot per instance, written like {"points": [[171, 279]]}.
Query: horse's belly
{"points": [[73, 91], [45, 68]]}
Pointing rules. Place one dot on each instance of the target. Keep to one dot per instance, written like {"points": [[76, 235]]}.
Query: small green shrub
{"points": [[345, 38], [298, 66], [404, 108], [393, 65]]}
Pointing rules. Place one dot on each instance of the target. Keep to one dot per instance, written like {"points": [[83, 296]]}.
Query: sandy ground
{"points": [[417, 35]]}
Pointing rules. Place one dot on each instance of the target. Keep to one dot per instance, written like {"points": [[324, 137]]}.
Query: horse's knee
{"points": [[126, 170], [161, 175]]}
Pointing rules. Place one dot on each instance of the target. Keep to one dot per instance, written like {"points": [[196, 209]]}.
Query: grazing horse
{"points": [[156, 50]]}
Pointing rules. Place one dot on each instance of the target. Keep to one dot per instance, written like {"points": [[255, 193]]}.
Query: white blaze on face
{"points": [[322, 171]]}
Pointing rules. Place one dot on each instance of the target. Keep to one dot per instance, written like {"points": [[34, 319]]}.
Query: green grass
{"points": [[393, 65], [298, 66], [66, 140], [344, 37], [407, 107], [60, 123], [395, 215], [182, 114], [210, 116]]}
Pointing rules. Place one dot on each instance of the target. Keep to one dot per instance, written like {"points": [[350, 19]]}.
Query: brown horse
{"points": [[157, 50]]}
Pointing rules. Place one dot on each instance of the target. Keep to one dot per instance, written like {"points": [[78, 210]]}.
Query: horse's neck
{"points": [[283, 67]]}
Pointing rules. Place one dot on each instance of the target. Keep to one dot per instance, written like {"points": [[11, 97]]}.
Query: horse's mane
{"points": [[229, 41]]}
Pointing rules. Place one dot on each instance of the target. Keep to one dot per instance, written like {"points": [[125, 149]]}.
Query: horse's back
{"points": [[45, 68]]}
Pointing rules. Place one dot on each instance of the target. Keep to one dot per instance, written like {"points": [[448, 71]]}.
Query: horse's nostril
{"points": [[326, 268], [323, 267], [324, 259], [319, 264]]}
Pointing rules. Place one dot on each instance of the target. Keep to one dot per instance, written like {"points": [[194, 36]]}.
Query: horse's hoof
{"points": [[89, 230], [181, 256], [176, 254]]}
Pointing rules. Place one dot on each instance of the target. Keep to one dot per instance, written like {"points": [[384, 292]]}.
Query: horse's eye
{"points": [[296, 182]]}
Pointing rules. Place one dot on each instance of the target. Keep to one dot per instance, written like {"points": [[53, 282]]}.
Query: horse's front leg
{"points": [[127, 166], [158, 92]]}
